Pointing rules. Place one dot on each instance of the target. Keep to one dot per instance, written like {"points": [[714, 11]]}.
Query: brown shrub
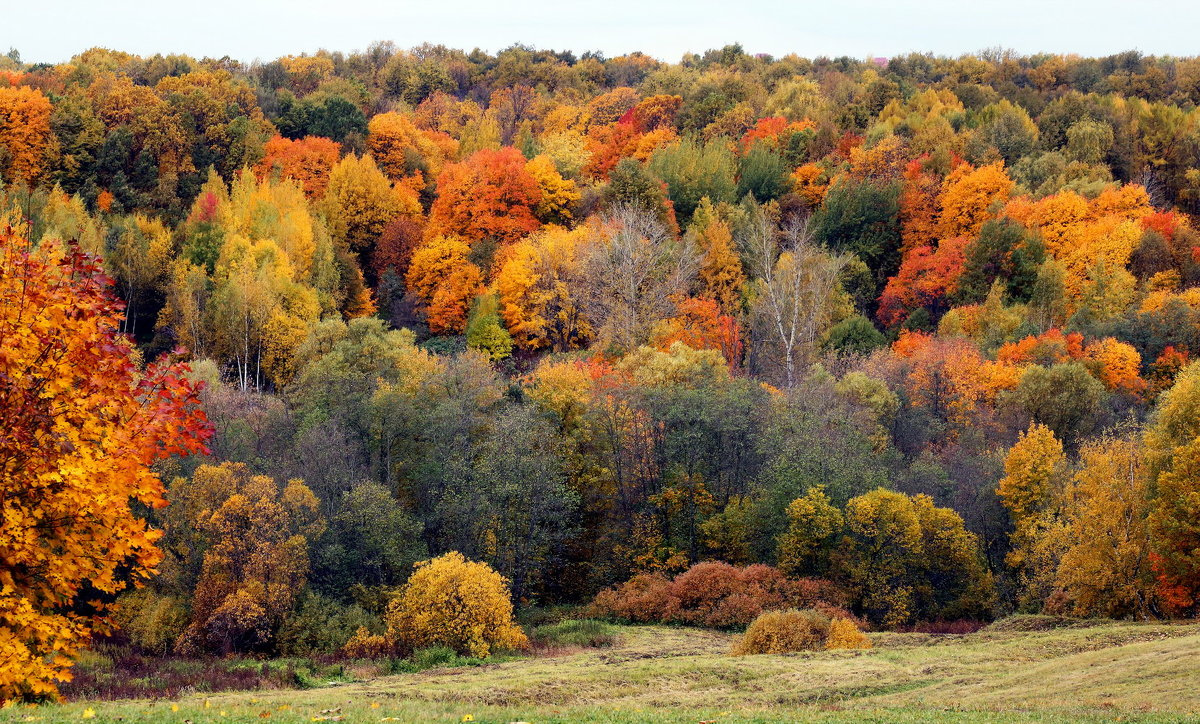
{"points": [[717, 595], [642, 599], [781, 632]]}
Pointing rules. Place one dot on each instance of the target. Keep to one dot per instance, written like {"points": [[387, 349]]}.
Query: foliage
{"points": [[84, 425], [450, 601], [784, 632]]}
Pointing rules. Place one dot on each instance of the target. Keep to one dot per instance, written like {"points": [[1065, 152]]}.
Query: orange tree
{"points": [[80, 426]]}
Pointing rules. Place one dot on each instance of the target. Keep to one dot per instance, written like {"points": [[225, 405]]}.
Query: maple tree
{"points": [[24, 133], [83, 425], [308, 160], [491, 194]]}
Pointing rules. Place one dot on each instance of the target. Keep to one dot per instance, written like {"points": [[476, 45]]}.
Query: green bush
{"points": [[152, 621], [321, 625]]}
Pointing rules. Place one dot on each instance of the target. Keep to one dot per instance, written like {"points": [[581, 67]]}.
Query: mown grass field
{"points": [[1096, 673]]}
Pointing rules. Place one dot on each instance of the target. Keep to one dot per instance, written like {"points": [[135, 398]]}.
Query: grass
{"points": [[1126, 672]]}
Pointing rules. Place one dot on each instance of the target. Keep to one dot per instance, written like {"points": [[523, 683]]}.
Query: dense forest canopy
{"points": [[915, 332]]}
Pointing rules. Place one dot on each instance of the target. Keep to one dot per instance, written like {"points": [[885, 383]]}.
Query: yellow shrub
{"points": [[781, 632], [366, 645], [457, 603], [843, 634]]}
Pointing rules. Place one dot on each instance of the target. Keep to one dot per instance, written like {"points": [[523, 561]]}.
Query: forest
{"points": [[290, 349]]}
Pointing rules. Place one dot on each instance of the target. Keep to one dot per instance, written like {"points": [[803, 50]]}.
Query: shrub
{"points": [[641, 599], [152, 621], [716, 595], [781, 632], [321, 625], [450, 601], [844, 634], [366, 645]]}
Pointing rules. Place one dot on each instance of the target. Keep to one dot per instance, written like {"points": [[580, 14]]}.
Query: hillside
{"points": [[1102, 672]]}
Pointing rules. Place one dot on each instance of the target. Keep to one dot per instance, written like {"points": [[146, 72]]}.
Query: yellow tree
{"points": [[402, 149], [968, 197], [257, 560], [535, 285], [1106, 567], [559, 195], [360, 202], [721, 276], [453, 602], [82, 427], [1032, 489], [441, 276]]}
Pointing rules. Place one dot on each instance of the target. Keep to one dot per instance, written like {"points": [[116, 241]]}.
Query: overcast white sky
{"points": [[54, 30]]}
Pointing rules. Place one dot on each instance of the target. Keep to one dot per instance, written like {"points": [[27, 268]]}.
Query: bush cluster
{"points": [[781, 632], [715, 594]]}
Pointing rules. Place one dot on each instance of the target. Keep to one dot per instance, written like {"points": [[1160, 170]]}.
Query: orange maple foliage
{"points": [[307, 160], [1116, 364], [968, 198], [1049, 348], [927, 277], [81, 427], [701, 325], [653, 112], [392, 138], [774, 131], [490, 195], [24, 132], [919, 207]]}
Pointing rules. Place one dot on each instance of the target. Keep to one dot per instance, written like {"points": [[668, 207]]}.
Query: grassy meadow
{"points": [[1020, 670]]}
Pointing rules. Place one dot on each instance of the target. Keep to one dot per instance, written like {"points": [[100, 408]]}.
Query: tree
{"points": [[906, 560], [814, 525], [1173, 448], [484, 331], [372, 544], [360, 202], [797, 291], [457, 603], [693, 171], [83, 425], [1032, 489], [633, 272], [539, 285], [402, 149], [1064, 397], [490, 195], [861, 216], [24, 133], [720, 272], [1106, 568], [559, 195], [968, 196], [927, 279], [256, 563], [308, 160], [441, 276]]}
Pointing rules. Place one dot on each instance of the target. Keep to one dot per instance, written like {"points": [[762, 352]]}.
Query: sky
{"points": [[54, 30]]}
